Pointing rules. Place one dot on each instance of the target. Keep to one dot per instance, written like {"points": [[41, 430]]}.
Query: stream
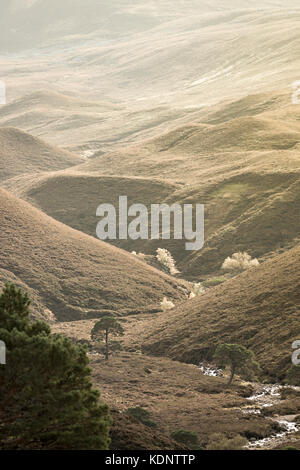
{"points": [[264, 395]]}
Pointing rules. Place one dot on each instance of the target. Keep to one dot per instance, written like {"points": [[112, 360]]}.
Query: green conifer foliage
{"points": [[46, 397]]}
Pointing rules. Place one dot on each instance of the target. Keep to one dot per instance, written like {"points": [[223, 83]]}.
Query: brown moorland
{"points": [[252, 212], [75, 275], [73, 198], [22, 153], [177, 395], [258, 309]]}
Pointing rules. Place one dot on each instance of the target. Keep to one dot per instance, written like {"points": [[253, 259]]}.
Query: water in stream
{"points": [[264, 395]]}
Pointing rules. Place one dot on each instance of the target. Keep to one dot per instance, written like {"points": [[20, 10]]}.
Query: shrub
{"points": [[239, 262], [165, 258], [197, 289], [188, 438], [218, 441], [214, 281], [139, 255], [166, 304], [142, 415]]}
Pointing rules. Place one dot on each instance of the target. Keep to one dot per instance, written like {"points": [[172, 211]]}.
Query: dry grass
{"points": [[76, 276], [127, 433], [72, 198], [22, 153], [259, 309], [241, 212], [245, 169], [177, 395], [165, 123]]}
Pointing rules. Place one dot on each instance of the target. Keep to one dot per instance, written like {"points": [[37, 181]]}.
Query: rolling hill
{"points": [[61, 118], [253, 212], [74, 275], [123, 51], [22, 153], [245, 170], [165, 102], [87, 126], [259, 309], [27, 23], [266, 141], [75, 197]]}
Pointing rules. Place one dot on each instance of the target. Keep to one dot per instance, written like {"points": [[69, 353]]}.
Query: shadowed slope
{"points": [[75, 275], [259, 309], [72, 198]]}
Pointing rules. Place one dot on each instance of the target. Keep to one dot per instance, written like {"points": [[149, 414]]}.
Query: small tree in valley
{"points": [[239, 262], [103, 329], [239, 359], [165, 258]]}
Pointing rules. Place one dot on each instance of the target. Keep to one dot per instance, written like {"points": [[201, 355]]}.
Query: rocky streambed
{"points": [[264, 396]]}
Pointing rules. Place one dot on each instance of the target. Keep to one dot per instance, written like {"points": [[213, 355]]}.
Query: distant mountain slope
{"points": [[246, 170], [257, 133], [75, 276], [253, 212], [58, 117], [87, 126], [242, 163], [259, 309], [29, 22], [175, 52], [22, 153], [238, 134]]}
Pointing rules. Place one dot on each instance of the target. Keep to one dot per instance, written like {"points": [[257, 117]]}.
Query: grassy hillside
{"points": [[37, 21], [75, 275], [22, 153], [165, 102], [253, 212], [127, 433], [204, 151], [259, 309], [244, 169], [87, 126], [186, 56], [62, 119], [73, 198]]}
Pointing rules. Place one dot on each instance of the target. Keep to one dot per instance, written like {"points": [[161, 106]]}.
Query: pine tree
{"points": [[239, 358], [104, 328], [46, 396]]}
